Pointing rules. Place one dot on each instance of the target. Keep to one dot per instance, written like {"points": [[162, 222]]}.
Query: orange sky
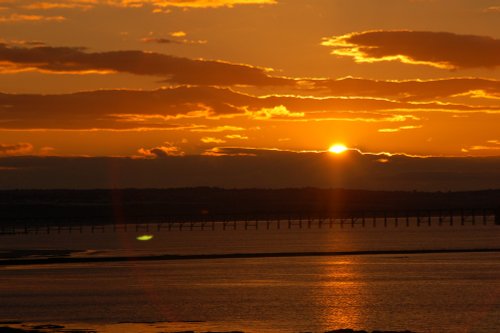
{"points": [[131, 78], [419, 77]]}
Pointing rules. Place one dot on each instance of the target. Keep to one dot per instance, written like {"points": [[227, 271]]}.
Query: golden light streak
{"points": [[492, 9], [208, 139], [159, 5], [7, 67], [237, 136], [29, 18], [479, 93], [218, 129], [178, 34], [58, 5], [277, 111], [206, 3], [393, 130]]}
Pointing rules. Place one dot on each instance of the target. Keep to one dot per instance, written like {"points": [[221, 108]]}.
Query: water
{"points": [[456, 292]]}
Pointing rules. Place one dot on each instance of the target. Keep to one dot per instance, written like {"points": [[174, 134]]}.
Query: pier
{"points": [[379, 219]]}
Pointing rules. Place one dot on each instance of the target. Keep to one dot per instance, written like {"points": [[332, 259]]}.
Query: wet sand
{"points": [[149, 327], [17, 259]]}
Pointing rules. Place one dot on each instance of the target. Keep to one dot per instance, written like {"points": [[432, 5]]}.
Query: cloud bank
{"points": [[174, 69], [410, 90], [439, 49], [17, 57], [254, 168], [158, 4], [164, 108]]}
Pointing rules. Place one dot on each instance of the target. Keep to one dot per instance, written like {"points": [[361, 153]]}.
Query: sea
{"points": [[367, 279]]}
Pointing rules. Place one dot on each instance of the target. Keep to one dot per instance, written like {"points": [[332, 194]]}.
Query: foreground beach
{"points": [[136, 328], [254, 281]]}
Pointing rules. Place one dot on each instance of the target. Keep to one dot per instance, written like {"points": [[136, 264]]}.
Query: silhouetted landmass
{"points": [[204, 203]]}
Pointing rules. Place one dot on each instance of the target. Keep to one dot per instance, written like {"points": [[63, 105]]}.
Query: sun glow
{"points": [[337, 149]]}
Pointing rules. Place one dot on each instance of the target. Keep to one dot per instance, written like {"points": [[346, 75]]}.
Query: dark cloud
{"points": [[22, 148], [127, 109], [115, 109], [251, 168], [438, 49], [160, 40], [174, 69], [411, 90], [165, 150], [207, 72]]}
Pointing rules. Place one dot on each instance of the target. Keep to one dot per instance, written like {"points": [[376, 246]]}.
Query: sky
{"points": [[250, 84]]}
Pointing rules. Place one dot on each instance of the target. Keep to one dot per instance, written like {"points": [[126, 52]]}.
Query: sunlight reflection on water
{"points": [[263, 295]]}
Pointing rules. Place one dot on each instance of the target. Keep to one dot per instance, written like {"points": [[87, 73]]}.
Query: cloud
{"points": [[16, 57], [438, 49], [16, 18], [177, 107], [115, 109], [255, 168], [68, 4], [280, 112], [490, 145], [236, 137], [178, 34], [206, 3], [480, 94], [159, 40], [218, 129], [398, 129], [21, 148], [157, 5], [409, 90], [167, 149], [492, 9], [209, 139], [173, 69], [120, 109]]}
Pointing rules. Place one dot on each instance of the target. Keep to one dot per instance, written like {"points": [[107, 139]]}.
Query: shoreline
{"points": [[52, 328], [15, 326], [172, 257]]}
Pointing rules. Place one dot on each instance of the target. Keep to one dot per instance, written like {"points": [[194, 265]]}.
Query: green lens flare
{"points": [[144, 237]]}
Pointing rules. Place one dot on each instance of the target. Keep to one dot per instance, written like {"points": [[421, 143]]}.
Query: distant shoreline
{"points": [[43, 208], [171, 257]]}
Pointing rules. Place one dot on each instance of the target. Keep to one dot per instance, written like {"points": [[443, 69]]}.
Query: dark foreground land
{"points": [[61, 329], [145, 205]]}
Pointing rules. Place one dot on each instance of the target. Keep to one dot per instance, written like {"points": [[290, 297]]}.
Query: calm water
{"points": [[425, 293]]}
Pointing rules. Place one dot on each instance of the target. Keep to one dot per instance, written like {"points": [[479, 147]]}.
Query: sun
{"points": [[337, 149]]}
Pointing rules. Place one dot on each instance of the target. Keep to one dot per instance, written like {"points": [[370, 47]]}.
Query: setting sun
{"points": [[337, 149]]}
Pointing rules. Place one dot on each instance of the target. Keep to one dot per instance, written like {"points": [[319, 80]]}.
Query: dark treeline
{"points": [[143, 205]]}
